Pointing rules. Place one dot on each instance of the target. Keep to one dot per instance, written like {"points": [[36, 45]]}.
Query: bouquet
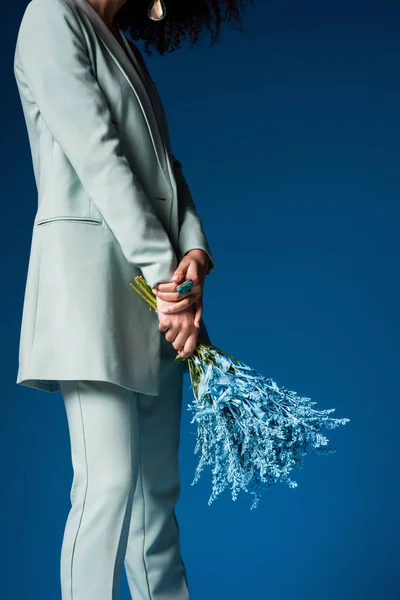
{"points": [[250, 431]]}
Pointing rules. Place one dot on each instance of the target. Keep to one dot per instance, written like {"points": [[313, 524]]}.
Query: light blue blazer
{"points": [[113, 202]]}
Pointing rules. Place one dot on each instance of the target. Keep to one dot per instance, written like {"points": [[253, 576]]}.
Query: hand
{"points": [[180, 328], [194, 266]]}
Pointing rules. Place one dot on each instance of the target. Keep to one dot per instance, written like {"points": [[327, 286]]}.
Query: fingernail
{"points": [[165, 310]]}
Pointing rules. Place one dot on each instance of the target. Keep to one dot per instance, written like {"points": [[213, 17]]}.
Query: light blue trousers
{"points": [[124, 449]]}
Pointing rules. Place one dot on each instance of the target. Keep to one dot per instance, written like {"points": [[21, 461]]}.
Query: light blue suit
{"points": [[112, 202]]}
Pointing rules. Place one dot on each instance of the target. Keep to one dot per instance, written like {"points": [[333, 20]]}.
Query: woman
{"points": [[112, 203]]}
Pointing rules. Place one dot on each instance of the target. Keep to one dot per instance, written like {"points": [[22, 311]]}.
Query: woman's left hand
{"points": [[194, 266]]}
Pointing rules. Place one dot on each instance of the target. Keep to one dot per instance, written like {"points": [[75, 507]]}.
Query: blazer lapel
{"points": [[132, 71]]}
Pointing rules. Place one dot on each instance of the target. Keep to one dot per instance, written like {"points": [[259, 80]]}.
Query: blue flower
{"points": [[251, 432]]}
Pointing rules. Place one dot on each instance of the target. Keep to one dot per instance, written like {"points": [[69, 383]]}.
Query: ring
{"points": [[185, 287]]}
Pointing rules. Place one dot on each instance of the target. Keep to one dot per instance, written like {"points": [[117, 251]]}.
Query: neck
{"points": [[107, 9]]}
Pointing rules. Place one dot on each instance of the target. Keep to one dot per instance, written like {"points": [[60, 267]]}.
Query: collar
{"points": [[131, 69]]}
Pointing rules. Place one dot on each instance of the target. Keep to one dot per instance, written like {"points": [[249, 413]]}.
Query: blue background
{"points": [[289, 137]]}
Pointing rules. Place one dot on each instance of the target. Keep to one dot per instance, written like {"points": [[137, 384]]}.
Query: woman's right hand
{"points": [[180, 328]]}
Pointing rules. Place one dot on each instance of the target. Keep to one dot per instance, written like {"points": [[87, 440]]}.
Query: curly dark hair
{"points": [[184, 19]]}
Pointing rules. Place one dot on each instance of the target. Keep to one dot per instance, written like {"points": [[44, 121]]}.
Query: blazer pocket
{"points": [[68, 219]]}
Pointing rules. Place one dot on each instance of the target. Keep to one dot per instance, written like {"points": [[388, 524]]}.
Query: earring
{"points": [[157, 10]]}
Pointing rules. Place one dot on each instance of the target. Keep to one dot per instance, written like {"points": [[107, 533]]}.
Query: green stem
{"points": [[201, 351]]}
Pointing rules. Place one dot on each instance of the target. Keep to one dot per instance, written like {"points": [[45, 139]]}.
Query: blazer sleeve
{"points": [[191, 231], [52, 55]]}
